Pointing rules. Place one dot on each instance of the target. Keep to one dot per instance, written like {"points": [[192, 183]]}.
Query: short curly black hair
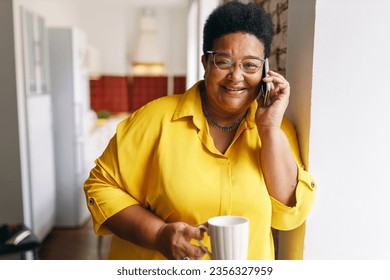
{"points": [[234, 17]]}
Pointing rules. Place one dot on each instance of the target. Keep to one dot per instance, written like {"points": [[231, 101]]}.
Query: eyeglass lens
{"points": [[249, 65]]}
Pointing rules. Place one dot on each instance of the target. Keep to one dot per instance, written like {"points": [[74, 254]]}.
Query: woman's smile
{"points": [[234, 90]]}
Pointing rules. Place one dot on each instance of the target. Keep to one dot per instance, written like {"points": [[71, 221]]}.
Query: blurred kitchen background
{"points": [[73, 69]]}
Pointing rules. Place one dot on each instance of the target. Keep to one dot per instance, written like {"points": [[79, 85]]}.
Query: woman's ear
{"points": [[204, 62]]}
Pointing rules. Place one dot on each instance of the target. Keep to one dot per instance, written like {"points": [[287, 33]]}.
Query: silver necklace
{"points": [[225, 128]]}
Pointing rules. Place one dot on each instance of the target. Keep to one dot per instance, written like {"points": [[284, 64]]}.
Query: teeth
{"points": [[234, 89]]}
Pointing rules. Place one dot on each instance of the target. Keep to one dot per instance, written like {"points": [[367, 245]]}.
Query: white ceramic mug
{"points": [[229, 237]]}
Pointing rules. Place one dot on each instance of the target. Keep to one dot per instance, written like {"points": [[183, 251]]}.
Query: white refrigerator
{"points": [[71, 106]]}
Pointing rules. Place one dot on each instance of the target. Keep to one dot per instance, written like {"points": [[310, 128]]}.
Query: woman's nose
{"points": [[235, 72]]}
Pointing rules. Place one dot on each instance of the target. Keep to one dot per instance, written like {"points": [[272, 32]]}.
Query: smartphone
{"points": [[265, 88]]}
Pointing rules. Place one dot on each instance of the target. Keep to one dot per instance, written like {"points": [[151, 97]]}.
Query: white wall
{"points": [[106, 28], [193, 44], [348, 139], [198, 11], [112, 28], [11, 169], [173, 38], [56, 12]]}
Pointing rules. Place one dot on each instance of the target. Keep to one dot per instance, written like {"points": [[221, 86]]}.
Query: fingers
{"points": [[272, 115], [174, 241], [193, 233], [280, 89], [193, 252], [279, 83]]}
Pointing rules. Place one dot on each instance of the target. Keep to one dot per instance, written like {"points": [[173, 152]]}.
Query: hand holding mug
{"points": [[173, 241]]}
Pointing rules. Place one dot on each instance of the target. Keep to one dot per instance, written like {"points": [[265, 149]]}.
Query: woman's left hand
{"points": [[272, 115], [276, 158]]}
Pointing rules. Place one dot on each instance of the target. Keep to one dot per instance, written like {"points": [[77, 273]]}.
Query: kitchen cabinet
{"points": [[35, 53]]}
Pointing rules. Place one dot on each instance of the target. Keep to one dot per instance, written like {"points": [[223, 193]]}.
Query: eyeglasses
{"points": [[249, 65]]}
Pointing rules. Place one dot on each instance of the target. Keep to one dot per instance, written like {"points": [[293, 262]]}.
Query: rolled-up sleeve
{"points": [[104, 189], [288, 218], [285, 217]]}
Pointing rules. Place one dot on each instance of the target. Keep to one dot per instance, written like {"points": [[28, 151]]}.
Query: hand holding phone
{"points": [[265, 88]]}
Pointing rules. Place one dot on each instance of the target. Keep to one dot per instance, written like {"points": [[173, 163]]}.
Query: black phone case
{"points": [[263, 90]]}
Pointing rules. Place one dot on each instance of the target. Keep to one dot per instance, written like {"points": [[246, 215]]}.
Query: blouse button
{"points": [[313, 184], [91, 201]]}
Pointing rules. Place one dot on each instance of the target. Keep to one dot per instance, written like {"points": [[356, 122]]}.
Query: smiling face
{"points": [[230, 92]]}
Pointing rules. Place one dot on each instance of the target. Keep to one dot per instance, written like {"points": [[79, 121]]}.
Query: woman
{"points": [[183, 159]]}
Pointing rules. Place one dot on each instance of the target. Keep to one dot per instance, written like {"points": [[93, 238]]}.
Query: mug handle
{"points": [[200, 243]]}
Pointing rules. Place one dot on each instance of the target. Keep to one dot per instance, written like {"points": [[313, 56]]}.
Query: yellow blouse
{"points": [[163, 158]]}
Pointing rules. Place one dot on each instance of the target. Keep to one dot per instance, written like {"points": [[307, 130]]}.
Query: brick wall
{"points": [[278, 10]]}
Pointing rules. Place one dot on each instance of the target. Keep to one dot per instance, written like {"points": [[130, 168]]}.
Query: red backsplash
{"points": [[179, 84], [110, 93], [118, 94], [145, 89]]}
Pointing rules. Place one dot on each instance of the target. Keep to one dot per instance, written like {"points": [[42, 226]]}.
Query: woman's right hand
{"points": [[173, 241], [142, 227]]}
